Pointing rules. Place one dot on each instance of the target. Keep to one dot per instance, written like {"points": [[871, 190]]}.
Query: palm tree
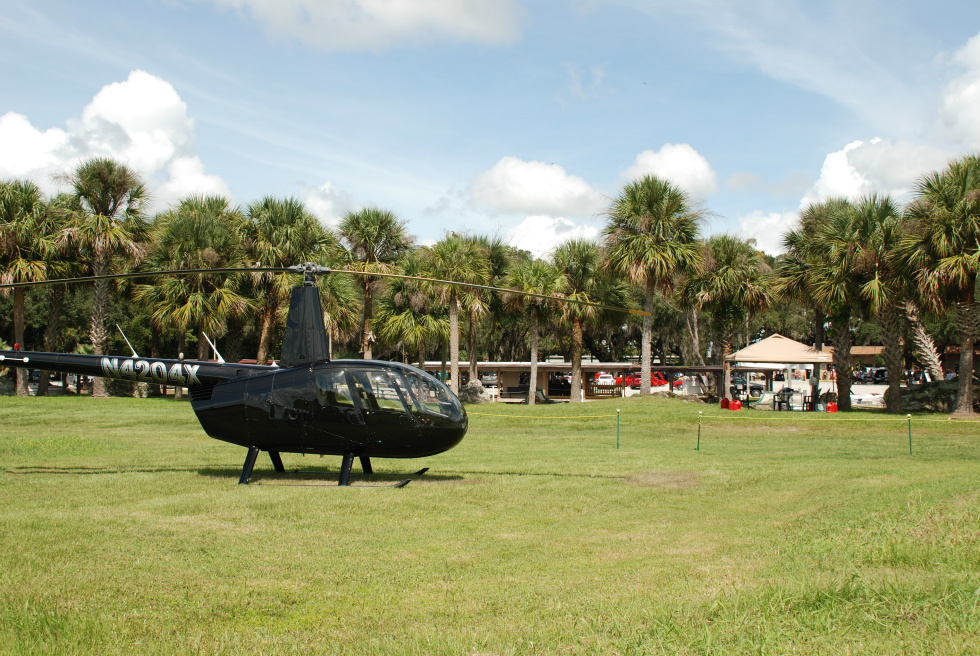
{"points": [[199, 233], [819, 266], [651, 236], [27, 238], [875, 235], [478, 302], [111, 224], [535, 277], [374, 238], [60, 262], [734, 282], [279, 233], [579, 261], [455, 258], [406, 313], [942, 246]]}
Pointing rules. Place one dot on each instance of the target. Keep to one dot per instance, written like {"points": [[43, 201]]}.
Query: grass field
{"points": [[122, 530]]}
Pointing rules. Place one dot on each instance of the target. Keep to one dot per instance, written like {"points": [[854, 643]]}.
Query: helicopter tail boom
{"points": [[185, 373]]}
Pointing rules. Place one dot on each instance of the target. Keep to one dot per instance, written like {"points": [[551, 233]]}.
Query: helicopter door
{"points": [[336, 415], [385, 411]]}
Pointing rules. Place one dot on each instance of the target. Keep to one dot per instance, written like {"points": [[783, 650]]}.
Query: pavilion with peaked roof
{"points": [[776, 350]]}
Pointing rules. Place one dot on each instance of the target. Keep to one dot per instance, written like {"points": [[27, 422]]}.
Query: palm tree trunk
{"points": [[532, 391], [52, 334], [19, 339], [178, 389], [202, 344], [577, 361], [693, 333], [646, 359], [474, 346], [100, 315], [454, 345], [922, 344], [818, 340], [265, 340], [891, 336], [726, 348], [967, 323], [368, 315], [156, 390], [421, 354], [842, 360]]}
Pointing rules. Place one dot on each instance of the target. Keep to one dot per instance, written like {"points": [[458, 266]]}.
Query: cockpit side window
{"points": [[332, 389]]}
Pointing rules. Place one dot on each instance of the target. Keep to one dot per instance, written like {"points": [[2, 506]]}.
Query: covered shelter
{"points": [[774, 353]]}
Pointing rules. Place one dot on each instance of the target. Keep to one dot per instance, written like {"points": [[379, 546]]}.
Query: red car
{"points": [[657, 379]]}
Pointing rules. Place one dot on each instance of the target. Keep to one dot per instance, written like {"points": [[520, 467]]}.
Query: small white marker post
{"points": [[699, 430]]}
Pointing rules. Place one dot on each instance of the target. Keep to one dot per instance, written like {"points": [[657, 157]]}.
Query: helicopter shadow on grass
{"points": [[463, 473], [90, 471], [325, 476], [293, 477]]}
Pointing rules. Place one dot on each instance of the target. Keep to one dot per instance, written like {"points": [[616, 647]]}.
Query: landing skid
{"points": [[345, 469]]}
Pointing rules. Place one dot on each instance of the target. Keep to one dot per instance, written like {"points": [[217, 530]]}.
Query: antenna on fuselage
{"points": [[127, 341], [213, 347]]}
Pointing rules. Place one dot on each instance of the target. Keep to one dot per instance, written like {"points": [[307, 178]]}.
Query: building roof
{"points": [[777, 348], [867, 350]]}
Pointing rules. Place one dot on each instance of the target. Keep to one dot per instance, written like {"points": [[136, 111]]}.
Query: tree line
{"points": [[864, 271]]}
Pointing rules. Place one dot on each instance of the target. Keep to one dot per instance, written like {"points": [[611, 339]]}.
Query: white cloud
{"points": [[513, 185], [25, 150], [875, 166], [187, 177], [382, 24], [959, 105], [541, 234], [679, 163], [767, 229], [327, 203], [141, 122]]}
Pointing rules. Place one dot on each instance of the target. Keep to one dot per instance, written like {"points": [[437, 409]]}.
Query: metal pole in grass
{"points": [[910, 433], [617, 428], [699, 430]]}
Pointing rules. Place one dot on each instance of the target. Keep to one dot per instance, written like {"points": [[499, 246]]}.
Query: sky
{"points": [[516, 118]]}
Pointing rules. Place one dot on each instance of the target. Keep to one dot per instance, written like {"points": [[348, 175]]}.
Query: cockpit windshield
{"points": [[429, 395]]}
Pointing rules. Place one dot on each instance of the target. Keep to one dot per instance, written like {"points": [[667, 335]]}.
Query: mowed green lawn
{"points": [[123, 530]]}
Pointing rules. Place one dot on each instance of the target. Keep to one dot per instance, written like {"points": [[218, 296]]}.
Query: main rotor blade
{"points": [[468, 285], [313, 269], [147, 274]]}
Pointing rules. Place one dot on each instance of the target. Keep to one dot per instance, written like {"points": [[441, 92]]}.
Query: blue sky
{"points": [[512, 117]]}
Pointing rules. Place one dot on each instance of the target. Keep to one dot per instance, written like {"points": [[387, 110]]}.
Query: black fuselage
{"points": [[368, 408]]}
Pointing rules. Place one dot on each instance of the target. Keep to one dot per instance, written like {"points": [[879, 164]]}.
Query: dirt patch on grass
{"points": [[668, 480]]}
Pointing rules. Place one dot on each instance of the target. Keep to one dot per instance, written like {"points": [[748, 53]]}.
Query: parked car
{"points": [[918, 377], [605, 379], [656, 380], [678, 380], [755, 389], [489, 378], [880, 376]]}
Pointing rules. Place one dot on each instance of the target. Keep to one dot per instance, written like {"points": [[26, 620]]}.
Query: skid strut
{"points": [[345, 468], [253, 453]]}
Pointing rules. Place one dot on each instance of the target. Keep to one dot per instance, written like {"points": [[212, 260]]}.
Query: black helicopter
{"points": [[308, 403]]}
